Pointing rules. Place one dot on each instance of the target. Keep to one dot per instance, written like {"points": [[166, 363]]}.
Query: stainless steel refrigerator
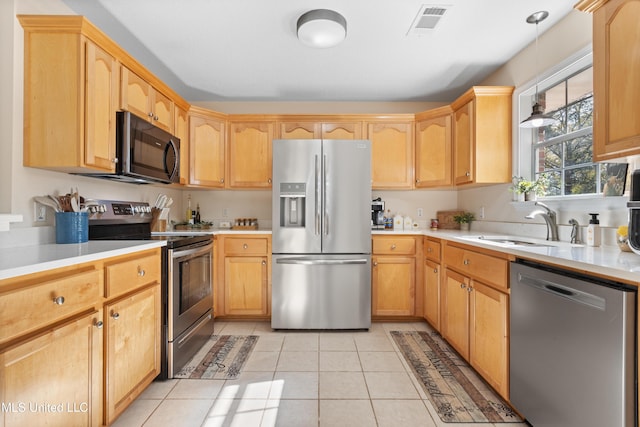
{"points": [[321, 243]]}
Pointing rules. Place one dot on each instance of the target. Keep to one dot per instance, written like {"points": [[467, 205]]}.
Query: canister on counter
{"points": [[434, 223]]}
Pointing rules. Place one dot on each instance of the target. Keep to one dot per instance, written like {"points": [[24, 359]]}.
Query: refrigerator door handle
{"points": [[307, 261], [325, 219], [317, 197]]}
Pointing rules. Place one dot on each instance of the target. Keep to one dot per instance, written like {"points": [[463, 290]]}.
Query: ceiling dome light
{"points": [[322, 28]]}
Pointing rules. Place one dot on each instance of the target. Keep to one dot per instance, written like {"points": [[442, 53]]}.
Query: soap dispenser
{"points": [[593, 230]]}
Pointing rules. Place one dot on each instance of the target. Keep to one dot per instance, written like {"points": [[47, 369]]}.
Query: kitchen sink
{"points": [[510, 241]]}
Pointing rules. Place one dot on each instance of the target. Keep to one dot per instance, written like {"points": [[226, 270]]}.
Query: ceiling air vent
{"points": [[427, 18]]}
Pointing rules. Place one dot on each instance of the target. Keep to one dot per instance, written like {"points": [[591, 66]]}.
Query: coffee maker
{"points": [[377, 214], [634, 212]]}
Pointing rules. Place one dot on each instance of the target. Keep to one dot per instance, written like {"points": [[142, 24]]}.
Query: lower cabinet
{"points": [[132, 348], [244, 272], [55, 378], [393, 276], [431, 281], [474, 312]]}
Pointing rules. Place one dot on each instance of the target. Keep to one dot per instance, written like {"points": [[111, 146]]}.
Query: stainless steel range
{"points": [[187, 278]]}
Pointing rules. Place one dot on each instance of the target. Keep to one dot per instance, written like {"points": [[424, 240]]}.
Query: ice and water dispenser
{"points": [[292, 204]]}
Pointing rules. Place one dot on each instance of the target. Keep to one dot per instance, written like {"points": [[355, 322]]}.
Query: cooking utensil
{"points": [[47, 202], [56, 202], [74, 204]]}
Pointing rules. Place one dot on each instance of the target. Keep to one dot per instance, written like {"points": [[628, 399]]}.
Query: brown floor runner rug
{"points": [[220, 359], [456, 391]]}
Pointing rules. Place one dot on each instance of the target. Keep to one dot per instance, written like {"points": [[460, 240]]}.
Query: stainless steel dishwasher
{"points": [[573, 349]]}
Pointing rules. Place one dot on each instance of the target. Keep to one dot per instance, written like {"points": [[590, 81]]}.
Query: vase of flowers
{"points": [[464, 220], [527, 190]]}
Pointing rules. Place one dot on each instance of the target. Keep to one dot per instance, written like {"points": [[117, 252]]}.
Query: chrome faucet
{"points": [[550, 218], [574, 230]]}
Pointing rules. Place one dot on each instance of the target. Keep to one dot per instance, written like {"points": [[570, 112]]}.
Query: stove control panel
{"points": [[112, 210]]}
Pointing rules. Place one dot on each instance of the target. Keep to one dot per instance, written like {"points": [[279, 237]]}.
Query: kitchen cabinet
{"points": [[181, 130], [615, 83], [475, 310], [70, 93], [244, 273], [143, 100], [393, 276], [392, 149], [482, 136], [206, 148], [249, 154], [320, 130], [431, 282], [132, 315], [434, 148]]}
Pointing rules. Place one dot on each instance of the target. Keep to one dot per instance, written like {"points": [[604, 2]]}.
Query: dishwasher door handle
{"points": [[563, 291], [306, 261]]}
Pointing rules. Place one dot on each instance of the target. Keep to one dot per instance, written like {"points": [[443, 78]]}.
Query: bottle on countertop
{"points": [[189, 216], [388, 221], [196, 220], [593, 230], [408, 223]]}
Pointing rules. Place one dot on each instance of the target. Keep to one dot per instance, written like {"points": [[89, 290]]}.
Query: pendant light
{"points": [[321, 28], [537, 118]]}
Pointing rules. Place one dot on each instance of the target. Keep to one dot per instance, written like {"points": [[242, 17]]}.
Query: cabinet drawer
{"points": [[29, 308], [130, 274], [245, 246], [394, 245], [432, 250], [489, 269]]}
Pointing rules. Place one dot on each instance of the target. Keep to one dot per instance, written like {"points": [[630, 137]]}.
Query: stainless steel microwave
{"points": [[145, 152]]}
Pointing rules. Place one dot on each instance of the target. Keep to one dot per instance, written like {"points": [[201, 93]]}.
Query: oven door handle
{"points": [[191, 253]]}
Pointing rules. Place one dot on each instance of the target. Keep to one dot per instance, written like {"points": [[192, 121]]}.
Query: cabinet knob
{"points": [[269, 181], [435, 270], [115, 315], [264, 262], [417, 181], [58, 300], [114, 160], [155, 117], [375, 263], [429, 250], [469, 289], [222, 180], [468, 174], [98, 324], [141, 271], [245, 246], [466, 262], [150, 114], [393, 246], [462, 286]]}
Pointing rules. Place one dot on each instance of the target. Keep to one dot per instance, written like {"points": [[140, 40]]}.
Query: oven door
{"points": [[190, 287]]}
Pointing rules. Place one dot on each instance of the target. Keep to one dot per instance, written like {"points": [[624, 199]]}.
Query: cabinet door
{"points": [[432, 293], [463, 137], [60, 367], [488, 351], [299, 130], [206, 152], [245, 282], [249, 153], [341, 130], [616, 85], [393, 286], [162, 108], [181, 129], [391, 155], [454, 311], [135, 94], [100, 108], [132, 348], [433, 152]]}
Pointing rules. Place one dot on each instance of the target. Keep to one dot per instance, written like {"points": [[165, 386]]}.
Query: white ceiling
{"points": [[247, 50]]}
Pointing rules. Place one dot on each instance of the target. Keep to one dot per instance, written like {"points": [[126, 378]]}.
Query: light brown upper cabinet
{"points": [[181, 130], [433, 148], [139, 97], [249, 154], [616, 87], [482, 136], [320, 129], [391, 153], [70, 96], [206, 148]]}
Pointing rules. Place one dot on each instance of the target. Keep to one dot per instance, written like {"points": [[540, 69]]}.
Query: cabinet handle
{"points": [[393, 246], [141, 271], [269, 180], [155, 117], [466, 262], [462, 286], [429, 250], [417, 181], [469, 289], [58, 300], [114, 160], [98, 324], [468, 174], [222, 180], [150, 114], [264, 262], [435, 270], [115, 315], [375, 263], [245, 246]]}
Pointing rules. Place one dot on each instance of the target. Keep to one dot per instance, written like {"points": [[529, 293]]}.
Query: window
{"points": [[563, 153]]}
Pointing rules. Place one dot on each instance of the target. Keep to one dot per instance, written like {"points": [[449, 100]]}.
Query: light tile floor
{"points": [[351, 378]]}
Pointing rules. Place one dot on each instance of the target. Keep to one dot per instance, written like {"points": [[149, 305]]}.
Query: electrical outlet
{"points": [[39, 212], [481, 212], [420, 212], [225, 212]]}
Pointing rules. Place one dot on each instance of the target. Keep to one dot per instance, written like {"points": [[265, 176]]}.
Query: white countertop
{"points": [[32, 259]]}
